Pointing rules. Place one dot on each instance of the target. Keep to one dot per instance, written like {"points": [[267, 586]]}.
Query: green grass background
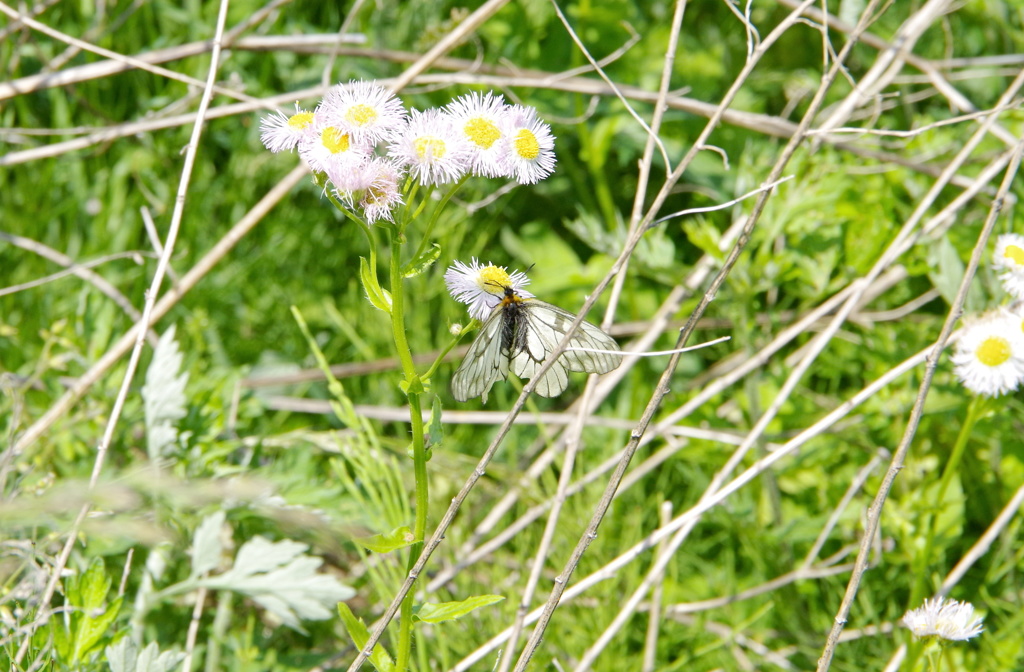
{"points": [[820, 231]]}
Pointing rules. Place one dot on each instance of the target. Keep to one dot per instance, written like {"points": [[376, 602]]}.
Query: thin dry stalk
{"points": [[899, 455]]}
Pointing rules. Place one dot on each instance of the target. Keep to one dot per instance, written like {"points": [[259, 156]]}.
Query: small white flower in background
{"points": [[944, 618], [529, 145], [280, 132], [480, 119], [382, 194], [989, 357], [432, 149], [1009, 257], [482, 287], [367, 110]]}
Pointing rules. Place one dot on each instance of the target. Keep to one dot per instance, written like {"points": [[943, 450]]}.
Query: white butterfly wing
{"points": [[484, 362], [545, 326]]}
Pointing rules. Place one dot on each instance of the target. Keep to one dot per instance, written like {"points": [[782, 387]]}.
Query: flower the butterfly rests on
{"points": [[519, 333]]}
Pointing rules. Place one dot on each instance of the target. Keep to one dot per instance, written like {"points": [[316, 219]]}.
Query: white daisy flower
{"points": [[331, 148], [483, 287], [529, 145], [280, 132], [366, 110], [989, 357], [432, 149], [382, 193], [943, 618], [1009, 257], [480, 120]]}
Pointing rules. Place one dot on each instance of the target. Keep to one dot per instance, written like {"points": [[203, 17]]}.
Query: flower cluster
{"points": [[362, 138], [989, 357], [943, 618]]}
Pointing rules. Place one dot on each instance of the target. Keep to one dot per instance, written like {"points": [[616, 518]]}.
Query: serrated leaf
{"points": [[124, 656], [93, 586], [92, 628], [152, 660], [421, 261], [206, 546], [446, 611], [357, 630], [164, 396], [262, 555], [283, 580], [379, 297], [400, 537]]}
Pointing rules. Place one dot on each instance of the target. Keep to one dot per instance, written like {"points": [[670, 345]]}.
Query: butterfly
{"points": [[518, 335]]}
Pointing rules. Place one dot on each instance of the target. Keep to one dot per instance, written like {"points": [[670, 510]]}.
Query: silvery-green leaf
{"points": [[164, 396], [262, 555], [152, 660], [206, 547], [121, 655], [124, 656], [283, 580]]}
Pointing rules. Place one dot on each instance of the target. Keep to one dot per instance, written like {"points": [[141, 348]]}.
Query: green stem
{"points": [[975, 410], [413, 389]]}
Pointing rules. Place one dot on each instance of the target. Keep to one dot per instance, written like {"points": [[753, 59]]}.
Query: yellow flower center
{"points": [[300, 120], [993, 351], [493, 280], [1015, 254], [335, 141], [482, 131], [526, 145], [361, 115], [429, 148]]}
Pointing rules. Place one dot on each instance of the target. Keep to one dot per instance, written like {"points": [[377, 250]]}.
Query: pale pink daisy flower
{"points": [[944, 618], [365, 109], [989, 357], [431, 148], [1009, 257], [528, 144], [330, 147], [480, 120], [280, 132], [482, 287], [382, 194]]}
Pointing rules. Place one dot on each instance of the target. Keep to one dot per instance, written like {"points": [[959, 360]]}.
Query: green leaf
{"points": [[360, 636], [421, 261], [446, 611], [61, 638], [206, 547], [164, 396], [93, 586], [702, 233], [947, 272], [379, 297], [93, 627], [400, 537], [435, 429]]}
